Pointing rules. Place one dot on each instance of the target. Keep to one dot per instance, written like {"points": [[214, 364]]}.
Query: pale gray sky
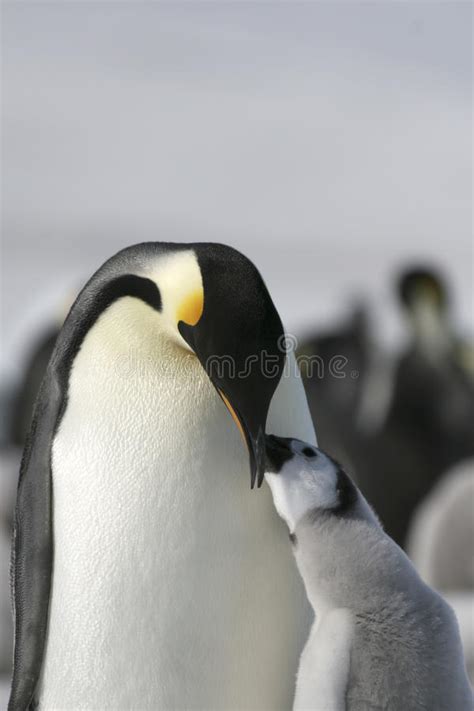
{"points": [[331, 142]]}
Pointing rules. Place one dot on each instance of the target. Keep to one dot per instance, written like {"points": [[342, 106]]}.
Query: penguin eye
{"points": [[308, 452]]}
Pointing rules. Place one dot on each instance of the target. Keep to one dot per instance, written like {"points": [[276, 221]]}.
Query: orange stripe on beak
{"points": [[234, 416]]}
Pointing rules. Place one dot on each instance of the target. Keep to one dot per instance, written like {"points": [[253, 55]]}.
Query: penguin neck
{"points": [[334, 555], [430, 329], [128, 340]]}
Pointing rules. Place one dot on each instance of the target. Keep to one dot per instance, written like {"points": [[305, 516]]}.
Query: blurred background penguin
{"points": [[413, 411]]}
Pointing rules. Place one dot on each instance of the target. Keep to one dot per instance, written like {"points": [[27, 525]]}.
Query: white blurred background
{"points": [[331, 142]]}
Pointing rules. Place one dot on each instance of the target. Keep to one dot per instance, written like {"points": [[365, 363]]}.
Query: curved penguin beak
{"points": [[254, 438], [247, 399]]}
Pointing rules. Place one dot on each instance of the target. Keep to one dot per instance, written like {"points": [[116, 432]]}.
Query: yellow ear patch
{"points": [[191, 308]]}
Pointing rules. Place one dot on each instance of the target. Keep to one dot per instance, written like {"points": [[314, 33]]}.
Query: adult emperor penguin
{"points": [[146, 574], [382, 639]]}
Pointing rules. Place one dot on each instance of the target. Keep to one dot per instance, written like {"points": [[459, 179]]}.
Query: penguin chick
{"points": [[382, 639]]}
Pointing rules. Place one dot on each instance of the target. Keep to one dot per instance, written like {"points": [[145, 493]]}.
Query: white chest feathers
{"points": [[325, 664], [174, 586]]}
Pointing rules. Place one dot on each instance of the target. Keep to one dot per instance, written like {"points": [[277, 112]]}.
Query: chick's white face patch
{"points": [[303, 483]]}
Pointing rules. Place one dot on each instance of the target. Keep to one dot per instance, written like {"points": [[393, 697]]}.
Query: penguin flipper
{"points": [[32, 550]]}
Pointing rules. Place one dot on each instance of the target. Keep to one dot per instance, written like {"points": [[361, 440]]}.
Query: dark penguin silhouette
{"points": [[18, 394], [334, 401], [24, 399], [425, 425], [429, 425]]}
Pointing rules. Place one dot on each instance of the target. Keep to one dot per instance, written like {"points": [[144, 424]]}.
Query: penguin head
{"points": [[206, 298], [304, 479], [422, 285]]}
